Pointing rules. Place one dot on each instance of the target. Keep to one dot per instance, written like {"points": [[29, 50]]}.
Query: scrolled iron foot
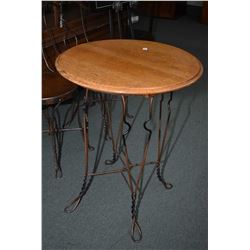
{"points": [[168, 185], [107, 137], [136, 229], [91, 148], [130, 116], [58, 173], [106, 134], [111, 162], [73, 205]]}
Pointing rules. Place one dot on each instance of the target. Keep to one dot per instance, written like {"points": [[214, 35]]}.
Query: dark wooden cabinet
{"points": [[204, 13], [97, 22], [162, 9]]}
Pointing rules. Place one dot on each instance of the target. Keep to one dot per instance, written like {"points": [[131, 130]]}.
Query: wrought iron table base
{"points": [[120, 151]]}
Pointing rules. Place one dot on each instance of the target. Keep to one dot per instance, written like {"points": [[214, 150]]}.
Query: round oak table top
{"points": [[127, 67]]}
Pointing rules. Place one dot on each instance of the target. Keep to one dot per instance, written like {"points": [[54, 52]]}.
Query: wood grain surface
{"points": [[133, 67]]}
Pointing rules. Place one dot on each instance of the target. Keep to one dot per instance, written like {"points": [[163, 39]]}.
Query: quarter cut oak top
{"points": [[129, 67]]}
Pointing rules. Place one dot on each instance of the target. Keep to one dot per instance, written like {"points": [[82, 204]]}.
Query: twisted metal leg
{"points": [[74, 108], [135, 185], [80, 120], [135, 228], [106, 116], [81, 125], [53, 117], [87, 177], [120, 150], [57, 127], [75, 203]]}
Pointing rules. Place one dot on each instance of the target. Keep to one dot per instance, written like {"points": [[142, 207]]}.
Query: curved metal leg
{"points": [[87, 178], [75, 203], [53, 117], [162, 144], [135, 186], [91, 148], [116, 142], [106, 116], [80, 119], [57, 127], [128, 114], [120, 150], [135, 228]]}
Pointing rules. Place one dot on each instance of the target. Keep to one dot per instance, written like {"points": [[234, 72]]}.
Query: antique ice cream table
{"points": [[115, 70]]}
